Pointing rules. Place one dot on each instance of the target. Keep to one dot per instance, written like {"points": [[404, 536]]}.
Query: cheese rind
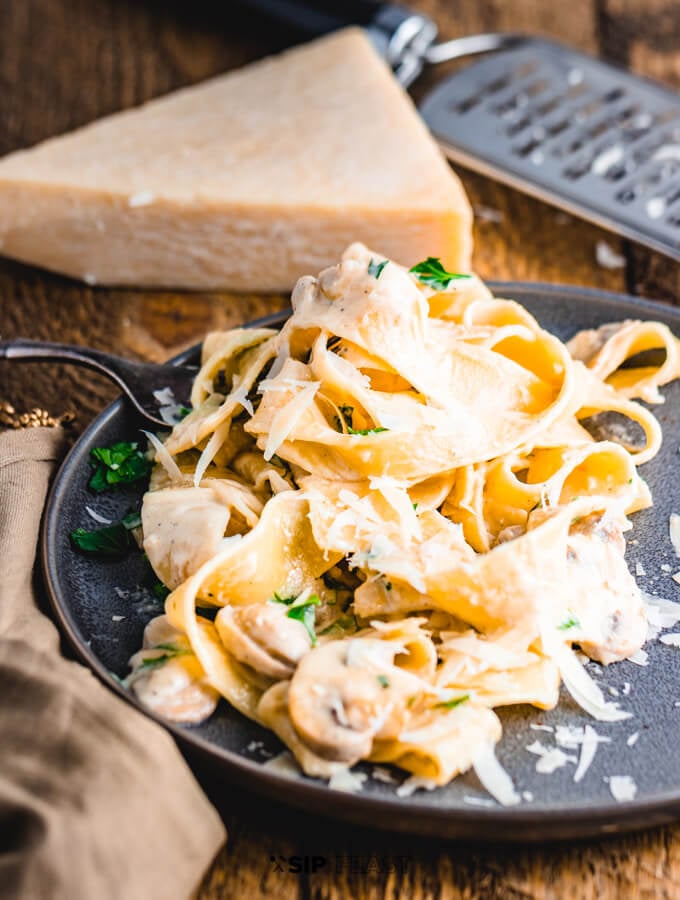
{"points": [[244, 182]]}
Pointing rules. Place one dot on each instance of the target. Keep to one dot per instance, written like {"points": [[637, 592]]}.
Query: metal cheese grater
{"points": [[584, 135]]}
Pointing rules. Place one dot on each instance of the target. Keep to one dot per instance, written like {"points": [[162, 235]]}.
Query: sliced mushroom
{"points": [[175, 688], [345, 693], [263, 637], [167, 676], [603, 527], [606, 600]]}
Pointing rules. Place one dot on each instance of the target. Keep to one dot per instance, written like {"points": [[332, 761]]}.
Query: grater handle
{"points": [[401, 36], [314, 17]]}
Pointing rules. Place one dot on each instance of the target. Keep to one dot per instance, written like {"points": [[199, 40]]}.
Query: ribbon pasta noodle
{"points": [[392, 516]]}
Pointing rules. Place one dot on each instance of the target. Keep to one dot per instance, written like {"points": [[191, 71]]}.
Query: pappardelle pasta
{"points": [[389, 518]]}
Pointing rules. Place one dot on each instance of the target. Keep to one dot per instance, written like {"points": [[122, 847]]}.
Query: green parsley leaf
{"points": [[383, 681], [571, 622], [432, 273], [342, 625], [415, 507], [302, 609], [131, 520], [121, 463], [366, 431], [160, 590], [172, 652], [375, 268], [183, 412], [452, 704], [114, 540]]}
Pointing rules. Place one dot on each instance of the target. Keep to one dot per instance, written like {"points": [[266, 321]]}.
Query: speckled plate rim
{"points": [[508, 824]]}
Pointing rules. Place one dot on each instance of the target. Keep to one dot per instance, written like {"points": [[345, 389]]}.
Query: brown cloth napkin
{"points": [[96, 801]]}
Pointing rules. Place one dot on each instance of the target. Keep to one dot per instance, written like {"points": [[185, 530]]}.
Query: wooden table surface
{"points": [[66, 62]]}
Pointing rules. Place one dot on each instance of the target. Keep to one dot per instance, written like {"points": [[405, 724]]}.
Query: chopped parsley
{"points": [[302, 609], [415, 507], [383, 681], [183, 412], [452, 704], [375, 268], [171, 652], [366, 431], [571, 622], [432, 273], [113, 540], [160, 590], [342, 625], [131, 520], [121, 463]]}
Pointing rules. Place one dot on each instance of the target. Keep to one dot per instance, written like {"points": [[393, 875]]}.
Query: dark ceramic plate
{"points": [[103, 606]]}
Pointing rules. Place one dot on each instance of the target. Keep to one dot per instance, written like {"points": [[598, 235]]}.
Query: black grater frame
{"points": [[576, 132]]}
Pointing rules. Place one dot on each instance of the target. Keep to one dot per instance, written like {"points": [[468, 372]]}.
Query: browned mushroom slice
{"points": [[263, 637], [341, 698]]}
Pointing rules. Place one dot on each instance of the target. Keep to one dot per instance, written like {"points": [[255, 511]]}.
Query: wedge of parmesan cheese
{"points": [[244, 182]]}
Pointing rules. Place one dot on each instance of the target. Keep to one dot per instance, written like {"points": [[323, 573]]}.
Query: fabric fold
{"points": [[95, 799]]}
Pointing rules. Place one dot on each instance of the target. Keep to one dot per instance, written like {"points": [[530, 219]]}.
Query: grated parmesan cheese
{"points": [[674, 532], [415, 783], [287, 418], [347, 781], [284, 763], [607, 257], [98, 518], [622, 787], [673, 640], [163, 457], [588, 749], [479, 801], [550, 758], [584, 690], [494, 777], [380, 773]]}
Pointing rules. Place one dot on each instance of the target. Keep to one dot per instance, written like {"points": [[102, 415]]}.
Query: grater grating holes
{"points": [[490, 88]]}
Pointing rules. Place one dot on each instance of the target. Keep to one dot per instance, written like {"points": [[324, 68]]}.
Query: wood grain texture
{"points": [[66, 62]]}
